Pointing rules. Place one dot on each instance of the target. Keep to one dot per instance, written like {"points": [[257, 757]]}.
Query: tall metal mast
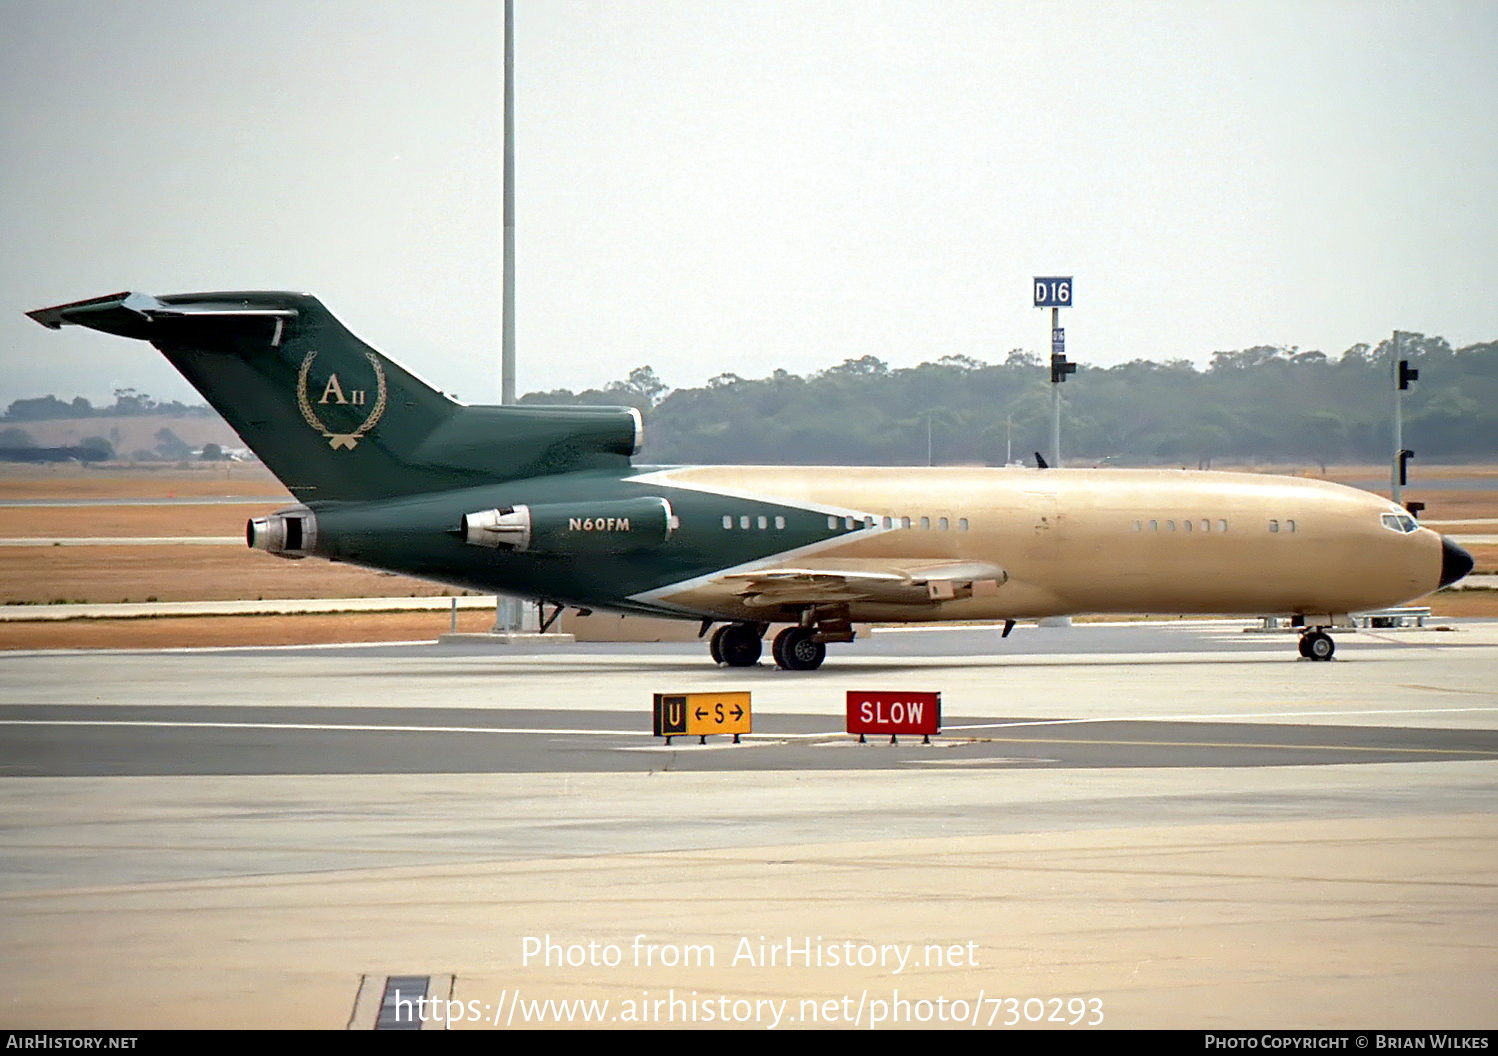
{"points": [[508, 614], [507, 347]]}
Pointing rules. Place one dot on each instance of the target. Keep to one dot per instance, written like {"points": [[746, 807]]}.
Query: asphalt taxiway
{"points": [[1182, 820]]}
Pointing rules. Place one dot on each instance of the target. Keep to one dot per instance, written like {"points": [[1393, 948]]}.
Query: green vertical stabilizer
{"points": [[334, 419]]}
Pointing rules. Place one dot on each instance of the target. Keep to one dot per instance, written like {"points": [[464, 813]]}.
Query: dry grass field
{"points": [[170, 632], [45, 575], [63, 481], [103, 575]]}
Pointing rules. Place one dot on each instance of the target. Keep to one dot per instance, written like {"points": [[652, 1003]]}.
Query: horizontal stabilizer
{"points": [[132, 314]]}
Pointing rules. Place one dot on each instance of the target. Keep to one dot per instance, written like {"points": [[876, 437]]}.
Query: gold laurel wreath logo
{"points": [[344, 440]]}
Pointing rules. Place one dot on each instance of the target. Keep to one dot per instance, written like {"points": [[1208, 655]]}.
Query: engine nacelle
{"points": [[613, 526], [290, 533]]}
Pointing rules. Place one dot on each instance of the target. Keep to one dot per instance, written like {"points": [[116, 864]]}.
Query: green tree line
{"points": [[1265, 403]]}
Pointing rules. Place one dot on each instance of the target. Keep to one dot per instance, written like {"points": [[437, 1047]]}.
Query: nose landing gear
{"points": [[1316, 644]]}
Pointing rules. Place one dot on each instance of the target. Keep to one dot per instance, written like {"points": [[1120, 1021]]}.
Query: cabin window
{"points": [[904, 522], [1170, 526], [1289, 526], [1186, 526], [1222, 526], [779, 523], [744, 521], [1274, 526], [1206, 526], [848, 523], [889, 522], [832, 522], [764, 522], [962, 524], [943, 525], [1154, 526], [727, 521], [925, 524], [1138, 526]]}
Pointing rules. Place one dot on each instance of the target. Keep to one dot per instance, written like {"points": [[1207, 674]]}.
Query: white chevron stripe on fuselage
{"points": [[680, 477]]}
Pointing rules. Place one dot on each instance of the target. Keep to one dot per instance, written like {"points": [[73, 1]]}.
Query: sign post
{"points": [[1055, 292]]}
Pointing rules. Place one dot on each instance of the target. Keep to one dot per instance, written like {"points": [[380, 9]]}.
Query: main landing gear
{"points": [[1316, 644], [737, 644], [799, 648]]}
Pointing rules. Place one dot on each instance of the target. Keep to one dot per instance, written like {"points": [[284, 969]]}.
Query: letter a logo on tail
{"points": [[341, 440]]}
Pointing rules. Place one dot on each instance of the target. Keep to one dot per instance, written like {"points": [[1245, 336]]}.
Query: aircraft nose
{"points": [[1455, 562]]}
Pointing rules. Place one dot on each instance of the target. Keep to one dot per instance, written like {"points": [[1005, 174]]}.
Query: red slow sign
{"points": [[894, 713]]}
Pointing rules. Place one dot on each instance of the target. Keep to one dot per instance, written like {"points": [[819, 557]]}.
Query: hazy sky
{"points": [[707, 186]]}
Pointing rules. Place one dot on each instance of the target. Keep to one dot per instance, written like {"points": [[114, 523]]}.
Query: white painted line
{"points": [[1213, 718], [190, 649], [725, 742], [324, 726], [998, 625], [264, 607]]}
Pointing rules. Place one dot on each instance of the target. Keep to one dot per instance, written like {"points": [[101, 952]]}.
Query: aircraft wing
{"points": [[867, 579]]}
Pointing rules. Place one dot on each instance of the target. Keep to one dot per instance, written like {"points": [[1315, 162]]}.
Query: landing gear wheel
{"points": [[736, 645], [1317, 645], [796, 649]]}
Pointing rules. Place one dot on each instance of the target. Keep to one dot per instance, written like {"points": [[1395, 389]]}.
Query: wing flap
{"points": [[841, 582]]}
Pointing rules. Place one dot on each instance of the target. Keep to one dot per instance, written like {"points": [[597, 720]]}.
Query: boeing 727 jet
{"points": [[545, 503]]}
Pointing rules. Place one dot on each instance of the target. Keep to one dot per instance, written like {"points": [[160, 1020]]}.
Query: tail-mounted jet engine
{"points": [[290, 533], [613, 526]]}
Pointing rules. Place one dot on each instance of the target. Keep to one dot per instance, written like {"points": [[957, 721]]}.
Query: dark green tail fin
{"points": [[330, 416]]}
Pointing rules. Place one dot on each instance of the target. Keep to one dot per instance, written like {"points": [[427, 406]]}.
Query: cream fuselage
{"points": [[1090, 541]]}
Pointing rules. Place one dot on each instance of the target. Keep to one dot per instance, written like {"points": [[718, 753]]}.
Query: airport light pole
{"points": [[507, 343], [1402, 376], [507, 610]]}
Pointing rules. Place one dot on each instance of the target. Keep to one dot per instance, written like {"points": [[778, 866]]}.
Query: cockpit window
{"points": [[1399, 522]]}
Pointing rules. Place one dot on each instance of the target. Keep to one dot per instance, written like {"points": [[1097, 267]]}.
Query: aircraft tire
{"points": [[738, 645], [715, 645], [1317, 645], [796, 649]]}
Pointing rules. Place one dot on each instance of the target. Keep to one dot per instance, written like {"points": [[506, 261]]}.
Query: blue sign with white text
{"points": [[1053, 291]]}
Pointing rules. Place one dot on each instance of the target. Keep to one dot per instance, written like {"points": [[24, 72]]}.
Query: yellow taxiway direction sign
{"points": [[701, 714]]}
